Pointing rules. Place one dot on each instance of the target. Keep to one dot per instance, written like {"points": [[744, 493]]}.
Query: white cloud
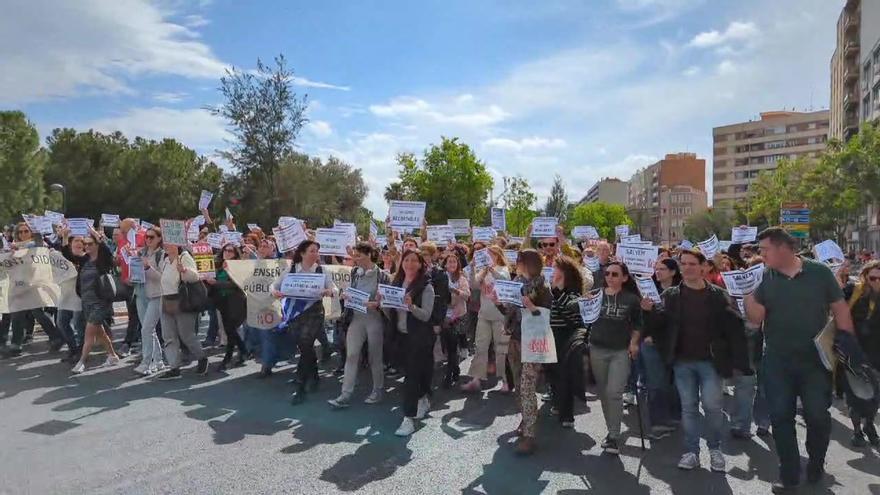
{"points": [[691, 71], [308, 83], [195, 128], [170, 96], [319, 128], [195, 21], [530, 143], [735, 32], [461, 110]]}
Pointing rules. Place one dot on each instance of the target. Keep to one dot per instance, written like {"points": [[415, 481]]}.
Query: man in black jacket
{"points": [[701, 335]]}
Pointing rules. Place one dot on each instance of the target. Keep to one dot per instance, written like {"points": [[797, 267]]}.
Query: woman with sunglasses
{"points": [[148, 296], [97, 261], [231, 302], [490, 325], [866, 319], [614, 341]]}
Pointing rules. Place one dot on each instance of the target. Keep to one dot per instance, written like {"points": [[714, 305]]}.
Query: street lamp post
{"points": [[60, 188]]}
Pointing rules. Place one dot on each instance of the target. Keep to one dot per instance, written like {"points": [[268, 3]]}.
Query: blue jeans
{"points": [[749, 402], [213, 324], [698, 382], [658, 383], [786, 378]]}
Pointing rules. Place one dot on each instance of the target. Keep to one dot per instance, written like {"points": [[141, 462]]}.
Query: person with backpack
{"points": [[94, 264], [370, 327], [178, 321], [148, 296]]}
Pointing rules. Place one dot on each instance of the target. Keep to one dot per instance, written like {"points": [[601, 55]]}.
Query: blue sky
{"points": [[585, 89]]}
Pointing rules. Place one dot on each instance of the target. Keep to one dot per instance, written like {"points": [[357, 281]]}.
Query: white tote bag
{"points": [[538, 345]]}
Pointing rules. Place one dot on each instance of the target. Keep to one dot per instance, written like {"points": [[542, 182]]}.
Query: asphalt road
{"points": [[109, 431]]}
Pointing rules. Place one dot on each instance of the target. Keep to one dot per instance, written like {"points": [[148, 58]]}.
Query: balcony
{"points": [[849, 99], [851, 23], [850, 74], [851, 48]]}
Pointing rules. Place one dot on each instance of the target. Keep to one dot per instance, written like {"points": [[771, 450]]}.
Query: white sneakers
{"points": [[143, 369], [717, 462], [629, 399], [111, 361], [79, 368], [407, 428], [424, 407], [374, 398]]}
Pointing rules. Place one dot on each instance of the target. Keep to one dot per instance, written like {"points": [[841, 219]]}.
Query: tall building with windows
{"points": [[662, 196], [608, 190], [742, 151], [866, 233], [846, 65]]}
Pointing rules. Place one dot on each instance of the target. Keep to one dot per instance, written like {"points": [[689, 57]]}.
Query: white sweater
{"points": [[171, 277]]}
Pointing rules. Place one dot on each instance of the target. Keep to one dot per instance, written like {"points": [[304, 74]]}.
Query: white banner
{"points": [[743, 234], [460, 226], [79, 227], [639, 259], [32, 278], [631, 240], [110, 220], [334, 241], [511, 256], [584, 232], [136, 271], [303, 285], [544, 226], [255, 278], [215, 240], [686, 245], [54, 217], [406, 214], [499, 219], [374, 229], [509, 292], [741, 283], [482, 258], [547, 272]]}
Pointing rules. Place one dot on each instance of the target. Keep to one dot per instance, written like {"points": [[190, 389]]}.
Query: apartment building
{"points": [[847, 94], [608, 190], [742, 151], [662, 196], [867, 18]]}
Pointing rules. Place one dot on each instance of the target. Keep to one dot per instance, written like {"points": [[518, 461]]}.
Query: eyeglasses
{"points": [[874, 279], [613, 274], [87, 244], [150, 237], [546, 244]]}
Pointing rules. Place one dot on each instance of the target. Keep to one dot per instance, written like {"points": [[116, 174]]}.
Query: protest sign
{"points": [[511, 256], [205, 199], [509, 292], [334, 241], [406, 214], [215, 240], [743, 234], [686, 245], [192, 231], [709, 247], [284, 221], [232, 237], [538, 344], [109, 220], [482, 258], [828, 250], [33, 278], [621, 230], [639, 259], [228, 215], [136, 272], [741, 283], [173, 232], [547, 272], [499, 219], [392, 297], [255, 278], [374, 229], [517, 240], [131, 237], [303, 285], [356, 300], [460, 226], [724, 246], [44, 225], [440, 234], [544, 226], [483, 234], [289, 236], [79, 227], [648, 289], [340, 275], [204, 257], [584, 232], [631, 240], [591, 307], [253, 227], [146, 225], [592, 263], [54, 217]]}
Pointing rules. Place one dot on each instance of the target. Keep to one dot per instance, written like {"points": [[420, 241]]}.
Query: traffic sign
{"points": [[795, 219], [794, 212]]}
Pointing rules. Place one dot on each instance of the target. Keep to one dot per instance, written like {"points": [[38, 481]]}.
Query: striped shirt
{"points": [[565, 314]]}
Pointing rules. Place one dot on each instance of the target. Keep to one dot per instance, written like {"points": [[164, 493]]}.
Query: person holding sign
{"points": [[536, 296], [304, 318], [413, 326], [702, 337], [570, 335], [148, 296], [614, 341], [129, 229], [363, 328], [97, 262], [231, 302], [490, 326], [453, 335]]}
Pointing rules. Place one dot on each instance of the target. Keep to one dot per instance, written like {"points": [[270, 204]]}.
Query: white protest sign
{"points": [[584, 232], [724, 246], [232, 237], [334, 241], [340, 275], [406, 214], [54, 217], [741, 283], [631, 240], [173, 232], [44, 224], [709, 247], [639, 259], [482, 259], [32, 278], [356, 300], [828, 250], [215, 240], [228, 215], [289, 236], [131, 237], [284, 221], [109, 220], [621, 230], [511, 256], [592, 263], [253, 227], [374, 229], [499, 219], [547, 272], [205, 199], [440, 233], [346, 225], [192, 232], [590, 307], [509, 292], [255, 278], [136, 272], [460, 226], [392, 297], [146, 225], [79, 227], [303, 285], [743, 234], [544, 226], [686, 245], [648, 289], [483, 234], [517, 240]]}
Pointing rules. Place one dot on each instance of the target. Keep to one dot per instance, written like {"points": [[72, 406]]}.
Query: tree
{"points": [[449, 177], [520, 202], [265, 117], [603, 216], [701, 226], [557, 203], [21, 165], [772, 188]]}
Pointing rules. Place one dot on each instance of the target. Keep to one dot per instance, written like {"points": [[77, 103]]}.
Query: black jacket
{"points": [[442, 294], [105, 262], [727, 346], [414, 326]]}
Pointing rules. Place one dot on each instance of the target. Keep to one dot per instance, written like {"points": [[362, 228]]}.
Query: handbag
{"points": [[193, 297], [109, 288], [538, 344]]}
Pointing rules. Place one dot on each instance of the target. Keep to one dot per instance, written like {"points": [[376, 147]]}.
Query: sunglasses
{"points": [[874, 279], [546, 244], [613, 274]]}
